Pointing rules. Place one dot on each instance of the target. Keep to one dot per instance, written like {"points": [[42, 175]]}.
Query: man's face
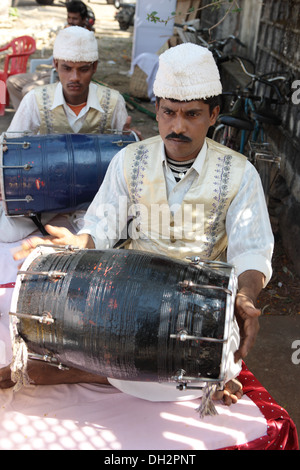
{"points": [[74, 19], [183, 126], [75, 78]]}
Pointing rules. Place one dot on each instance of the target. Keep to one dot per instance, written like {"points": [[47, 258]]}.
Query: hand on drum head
{"points": [[247, 317], [57, 236]]}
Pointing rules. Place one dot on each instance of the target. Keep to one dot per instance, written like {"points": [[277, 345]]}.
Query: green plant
{"points": [[232, 7]]}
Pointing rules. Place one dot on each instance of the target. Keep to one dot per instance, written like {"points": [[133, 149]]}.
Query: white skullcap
{"points": [[187, 72], [75, 44]]}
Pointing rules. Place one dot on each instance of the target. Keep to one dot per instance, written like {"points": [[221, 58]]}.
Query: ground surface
{"points": [[280, 301], [282, 295]]}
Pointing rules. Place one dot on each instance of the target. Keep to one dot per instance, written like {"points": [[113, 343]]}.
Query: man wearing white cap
{"points": [[181, 168], [78, 14], [74, 105]]}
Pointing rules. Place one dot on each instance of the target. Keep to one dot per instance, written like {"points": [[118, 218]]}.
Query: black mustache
{"points": [[182, 137]]}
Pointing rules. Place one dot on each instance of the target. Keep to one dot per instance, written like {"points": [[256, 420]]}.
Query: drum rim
{"points": [[38, 251], [229, 321], [2, 185]]}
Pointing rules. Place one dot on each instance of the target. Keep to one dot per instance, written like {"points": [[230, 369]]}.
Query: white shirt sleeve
{"points": [[27, 116], [119, 115], [250, 237]]}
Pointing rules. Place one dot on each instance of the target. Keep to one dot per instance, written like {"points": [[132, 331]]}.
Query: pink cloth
{"points": [[78, 417]]}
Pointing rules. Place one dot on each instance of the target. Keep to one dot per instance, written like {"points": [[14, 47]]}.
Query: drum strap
{"points": [[36, 218], [124, 242]]}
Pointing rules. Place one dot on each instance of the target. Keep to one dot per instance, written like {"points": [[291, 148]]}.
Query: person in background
{"points": [[78, 14], [72, 105]]}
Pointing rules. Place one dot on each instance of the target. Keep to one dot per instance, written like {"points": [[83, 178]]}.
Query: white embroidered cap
{"points": [[75, 44], [187, 72]]}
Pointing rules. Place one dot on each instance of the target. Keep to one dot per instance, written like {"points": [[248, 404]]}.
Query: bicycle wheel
{"points": [[228, 136], [220, 134]]}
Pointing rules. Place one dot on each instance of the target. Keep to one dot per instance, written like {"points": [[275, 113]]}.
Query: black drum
{"points": [[126, 314], [54, 173]]}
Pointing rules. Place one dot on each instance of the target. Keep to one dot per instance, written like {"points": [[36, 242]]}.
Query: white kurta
{"points": [[27, 117], [250, 237], [250, 242]]}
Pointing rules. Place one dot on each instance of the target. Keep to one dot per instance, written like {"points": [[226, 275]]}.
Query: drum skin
{"points": [[55, 173], [114, 312]]}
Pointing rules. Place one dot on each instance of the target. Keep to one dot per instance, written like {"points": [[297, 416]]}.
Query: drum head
{"points": [[160, 392]]}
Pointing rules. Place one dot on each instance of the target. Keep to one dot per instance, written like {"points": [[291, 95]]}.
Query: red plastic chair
{"points": [[14, 62]]}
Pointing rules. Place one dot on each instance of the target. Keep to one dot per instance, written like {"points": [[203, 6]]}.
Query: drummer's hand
{"points": [[57, 236], [233, 391], [127, 128], [247, 317]]}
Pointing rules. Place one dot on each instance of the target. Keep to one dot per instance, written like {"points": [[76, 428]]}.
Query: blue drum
{"points": [[55, 173]]}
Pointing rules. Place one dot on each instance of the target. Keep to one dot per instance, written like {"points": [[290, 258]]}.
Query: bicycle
{"points": [[189, 33], [242, 127]]}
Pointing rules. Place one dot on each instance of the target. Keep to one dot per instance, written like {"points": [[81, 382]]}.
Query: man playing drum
{"points": [[73, 105], [181, 168]]}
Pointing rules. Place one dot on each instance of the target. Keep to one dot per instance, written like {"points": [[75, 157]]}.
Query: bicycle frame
{"points": [[257, 131], [251, 131]]}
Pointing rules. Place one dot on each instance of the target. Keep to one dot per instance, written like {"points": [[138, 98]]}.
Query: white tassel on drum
{"points": [[207, 407], [19, 364]]}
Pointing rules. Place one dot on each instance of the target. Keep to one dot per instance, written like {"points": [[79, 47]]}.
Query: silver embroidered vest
{"points": [[55, 122], [197, 227]]}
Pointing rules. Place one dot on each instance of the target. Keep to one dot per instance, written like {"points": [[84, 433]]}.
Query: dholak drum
{"points": [[54, 173], [126, 314]]}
